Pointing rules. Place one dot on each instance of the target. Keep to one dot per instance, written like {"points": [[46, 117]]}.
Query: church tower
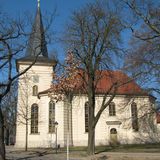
{"points": [[37, 78]]}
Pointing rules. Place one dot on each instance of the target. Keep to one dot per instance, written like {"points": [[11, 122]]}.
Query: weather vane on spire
{"points": [[38, 3]]}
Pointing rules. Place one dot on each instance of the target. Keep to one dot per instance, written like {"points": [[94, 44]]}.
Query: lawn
{"points": [[153, 148], [119, 152]]}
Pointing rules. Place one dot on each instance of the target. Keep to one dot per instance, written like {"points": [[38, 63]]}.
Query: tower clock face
{"points": [[35, 79]]}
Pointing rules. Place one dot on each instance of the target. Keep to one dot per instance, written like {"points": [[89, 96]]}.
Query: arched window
{"points": [[51, 117], [35, 90], [34, 118], [113, 131], [112, 109], [134, 116], [86, 116]]}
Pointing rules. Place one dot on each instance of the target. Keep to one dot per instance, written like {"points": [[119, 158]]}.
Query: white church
{"points": [[127, 120]]}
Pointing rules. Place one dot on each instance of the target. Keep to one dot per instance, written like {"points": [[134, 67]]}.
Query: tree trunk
{"points": [[6, 136], [26, 105], [91, 127], [26, 145], [91, 141], [2, 145]]}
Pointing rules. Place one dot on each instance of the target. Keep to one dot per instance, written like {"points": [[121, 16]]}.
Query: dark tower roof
{"points": [[37, 47], [37, 44]]}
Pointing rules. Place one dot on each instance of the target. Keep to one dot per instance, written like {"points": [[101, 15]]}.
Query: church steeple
{"points": [[37, 48], [37, 44], [38, 3]]}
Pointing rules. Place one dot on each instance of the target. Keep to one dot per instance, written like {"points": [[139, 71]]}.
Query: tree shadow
{"points": [[29, 155], [110, 148]]}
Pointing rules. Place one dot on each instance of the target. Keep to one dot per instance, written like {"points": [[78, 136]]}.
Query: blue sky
{"points": [[65, 7], [64, 10]]}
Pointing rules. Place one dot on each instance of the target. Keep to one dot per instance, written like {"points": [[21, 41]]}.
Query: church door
{"points": [[113, 136]]}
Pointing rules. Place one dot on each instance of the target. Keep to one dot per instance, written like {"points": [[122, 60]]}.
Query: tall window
{"points": [[112, 109], [34, 118], [134, 116], [35, 90], [51, 117], [86, 116]]}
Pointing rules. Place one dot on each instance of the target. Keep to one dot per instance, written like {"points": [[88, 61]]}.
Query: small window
{"points": [[113, 131], [35, 90], [86, 116], [51, 117], [34, 118], [134, 116], [112, 109]]}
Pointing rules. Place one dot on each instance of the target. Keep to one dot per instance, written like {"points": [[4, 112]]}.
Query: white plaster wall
{"points": [[25, 98], [46, 139], [78, 124], [102, 132], [43, 138], [80, 138]]}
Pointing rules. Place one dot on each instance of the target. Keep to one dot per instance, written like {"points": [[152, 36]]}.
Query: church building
{"points": [[44, 122]]}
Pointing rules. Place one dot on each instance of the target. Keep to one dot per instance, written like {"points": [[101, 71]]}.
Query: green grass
{"points": [[82, 151], [120, 148], [129, 148]]}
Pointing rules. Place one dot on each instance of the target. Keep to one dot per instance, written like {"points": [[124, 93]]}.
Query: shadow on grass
{"points": [[101, 149], [129, 148], [29, 154], [82, 151]]}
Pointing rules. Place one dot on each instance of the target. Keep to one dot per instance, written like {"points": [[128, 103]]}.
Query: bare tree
{"points": [[9, 109], [144, 57], [11, 33], [94, 35], [13, 40], [23, 111]]}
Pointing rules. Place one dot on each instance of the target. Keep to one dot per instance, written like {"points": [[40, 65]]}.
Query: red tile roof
{"points": [[105, 80], [126, 84]]}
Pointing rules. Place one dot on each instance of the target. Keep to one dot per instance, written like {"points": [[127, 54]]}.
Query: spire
{"points": [[38, 3], [37, 44]]}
